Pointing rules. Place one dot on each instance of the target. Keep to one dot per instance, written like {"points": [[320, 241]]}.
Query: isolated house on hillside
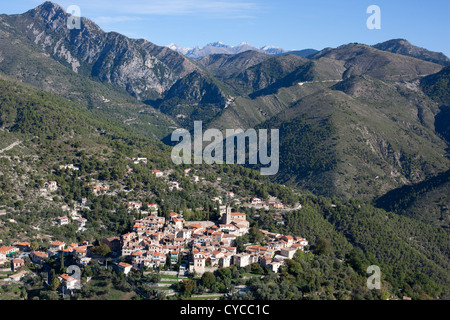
{"points": [[157, 173], [62, 221], [125, 268]]}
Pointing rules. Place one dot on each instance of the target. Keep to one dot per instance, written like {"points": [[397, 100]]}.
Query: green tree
{"points": [[102, 250], [187, 286], [34, 246], [256, 268], [61, 267], [208, 280], [54, 284], [224, 273], [256, 236], [322, 246]]}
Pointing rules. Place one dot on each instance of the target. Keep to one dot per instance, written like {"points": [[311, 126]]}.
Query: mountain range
{"points": [[355, 121], [220, 48]]}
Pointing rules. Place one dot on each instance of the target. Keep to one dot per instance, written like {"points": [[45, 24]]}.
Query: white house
{"points": [[56, 246], [140, 160], [256, 201], [63, 221], [134, 205], [274, 266], [69, 282], [199, 264], [124, 267], [241, 259], [157, 173]]}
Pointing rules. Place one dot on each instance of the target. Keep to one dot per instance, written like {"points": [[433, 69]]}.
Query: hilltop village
{"points": [[204, 246], [155, 242]]}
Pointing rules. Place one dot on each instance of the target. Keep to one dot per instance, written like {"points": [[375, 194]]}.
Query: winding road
{"points": [[11, 146]]}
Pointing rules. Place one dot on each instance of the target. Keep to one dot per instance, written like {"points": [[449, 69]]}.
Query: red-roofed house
{"points": [[124, 267], [8, 250], [157, 173], [69, 282], [17, 264], [37, 256], [57, 245], [23, 246]]}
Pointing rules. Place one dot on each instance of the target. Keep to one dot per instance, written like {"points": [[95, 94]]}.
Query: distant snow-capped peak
{"points": [[220, 47]]}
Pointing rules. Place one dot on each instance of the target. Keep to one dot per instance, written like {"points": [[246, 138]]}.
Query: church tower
{"points": [[226, 218]]}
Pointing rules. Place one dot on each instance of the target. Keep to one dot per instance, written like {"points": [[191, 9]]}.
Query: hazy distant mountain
{"points": [[306, 53], [220, 48]]}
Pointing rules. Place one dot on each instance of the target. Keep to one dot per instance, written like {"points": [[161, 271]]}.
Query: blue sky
{"points": [[290, 24]]}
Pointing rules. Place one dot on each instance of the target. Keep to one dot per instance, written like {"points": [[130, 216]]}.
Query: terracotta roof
{"points": [[159, 254], [7, 248], [196, 226], [67, 277], [22, 244], [40, 254], [125, 265], [57, 243], [18, 261]]}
